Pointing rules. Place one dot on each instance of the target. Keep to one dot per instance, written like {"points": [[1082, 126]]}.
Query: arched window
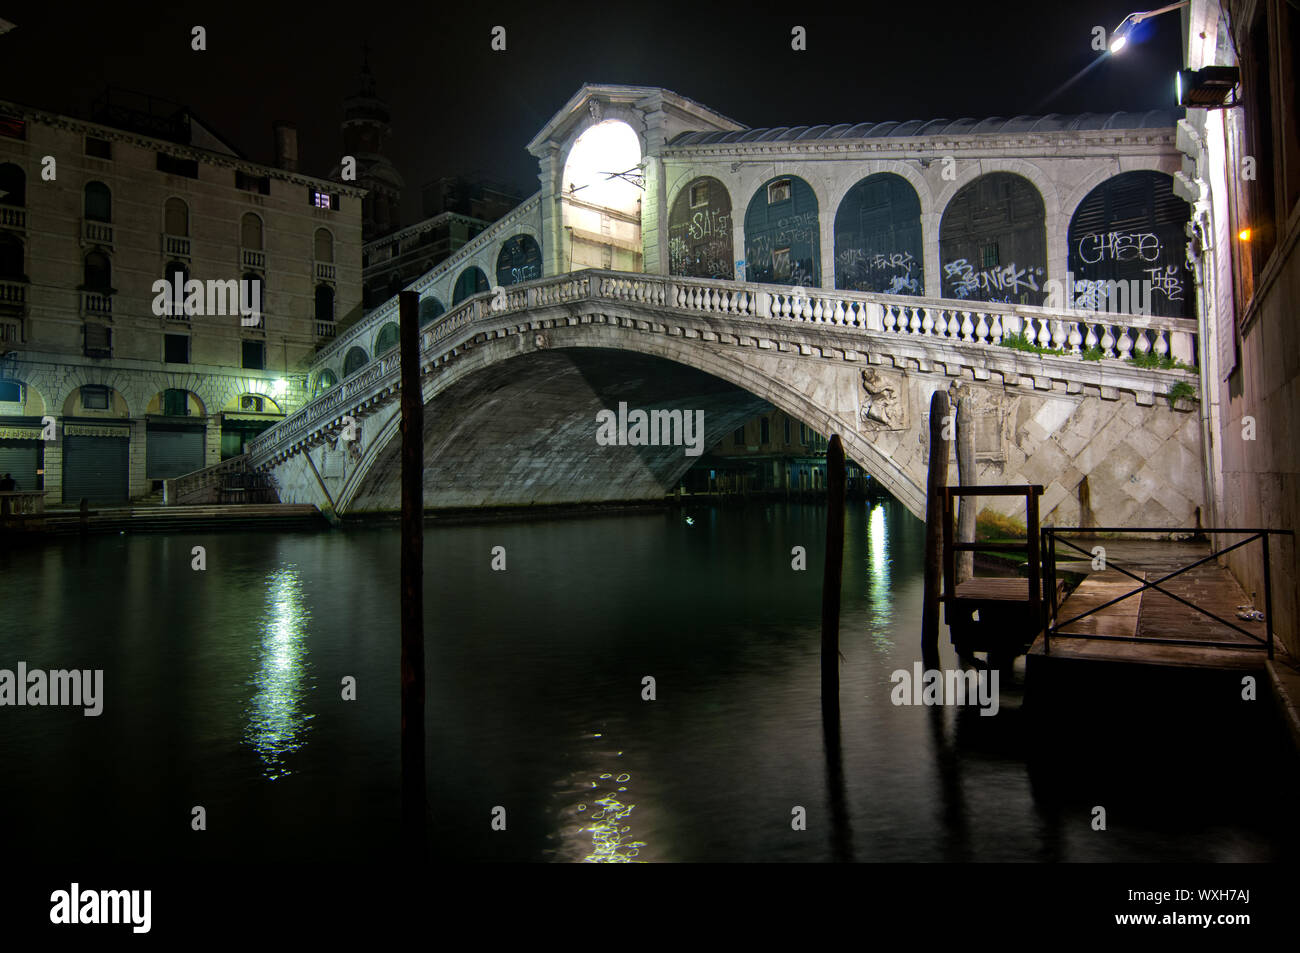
{"points": [[878, 237], [430, 309], [519, 260], [11, 257], [13, 185], [387, 340], [472, 281], [1128, 248], [355, 360], [250, 232], [700, 231], [993, 241], [176, 217], [324, 245], [782, 234], [98, 272], [324, 303], [324, 382], [99, 202]]}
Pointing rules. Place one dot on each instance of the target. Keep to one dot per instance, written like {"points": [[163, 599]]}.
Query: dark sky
{"points": [[458, 107]]}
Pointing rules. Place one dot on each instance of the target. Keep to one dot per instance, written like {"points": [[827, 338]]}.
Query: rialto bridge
{"points": [[674, 259]]}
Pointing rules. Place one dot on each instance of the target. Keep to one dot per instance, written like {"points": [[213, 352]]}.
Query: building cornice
{"points": [[83, 126]]}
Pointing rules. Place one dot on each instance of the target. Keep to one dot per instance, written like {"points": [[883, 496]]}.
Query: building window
{"points": [[324, 245], [251, 403], [254, 355], [803, 435], [13, 185], [176, 166], [778, 191], [989, 256], [176, 403], [253, 183], [176, 348], [99, 341], [94, 397], [738, 438], [99, 202], [11, 392], [176, 217], [99, 148], [324, 303], [787, 430], [177, 275], [250, 231], [699, 195], [98, 272], [322, 199], [11, 257], [764, 431]]}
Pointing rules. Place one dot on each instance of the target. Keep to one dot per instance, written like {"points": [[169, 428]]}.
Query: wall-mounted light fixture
{"points": [[1207, 87]]}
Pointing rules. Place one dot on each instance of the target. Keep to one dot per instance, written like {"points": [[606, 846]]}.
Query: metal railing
{"points": [[1053, 626]]}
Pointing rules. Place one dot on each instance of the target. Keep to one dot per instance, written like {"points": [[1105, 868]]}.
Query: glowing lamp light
{"points": [[1120, 36], [279, 386], [1244, 235]]}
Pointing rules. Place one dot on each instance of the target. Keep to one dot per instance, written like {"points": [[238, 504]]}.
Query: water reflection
{"points": [[277, 723], [882, 600], [596, 822]]}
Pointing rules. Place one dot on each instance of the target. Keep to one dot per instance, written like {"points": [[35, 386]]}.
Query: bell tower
{"points": [[366, 126]]}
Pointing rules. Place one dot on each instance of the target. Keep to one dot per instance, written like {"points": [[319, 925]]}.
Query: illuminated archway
{"points": [[602, 189]]}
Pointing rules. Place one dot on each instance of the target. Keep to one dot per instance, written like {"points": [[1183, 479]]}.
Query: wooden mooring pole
{"points": [[966, 476], [940, 425], [412, 583], [832, 575]]}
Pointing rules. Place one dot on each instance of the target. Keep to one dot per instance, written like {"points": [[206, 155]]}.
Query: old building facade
{"points": [[142, 386]]}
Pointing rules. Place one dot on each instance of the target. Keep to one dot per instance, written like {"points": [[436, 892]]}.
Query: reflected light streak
{"points": [[276, 720]]}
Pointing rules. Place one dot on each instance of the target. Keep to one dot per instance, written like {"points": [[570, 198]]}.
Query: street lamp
{"points": [[1119, 37]]}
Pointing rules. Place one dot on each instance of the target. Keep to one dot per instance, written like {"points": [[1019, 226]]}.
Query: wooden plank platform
{"points": [[1154, 615], [999, 589]]}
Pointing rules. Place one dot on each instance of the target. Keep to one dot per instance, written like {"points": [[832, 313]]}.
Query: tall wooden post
{"points": [[412, 583], [966, 476], [938, 479], [832, 575]]}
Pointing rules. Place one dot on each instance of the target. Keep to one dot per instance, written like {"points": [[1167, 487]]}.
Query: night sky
{"points": [[458, 107]]}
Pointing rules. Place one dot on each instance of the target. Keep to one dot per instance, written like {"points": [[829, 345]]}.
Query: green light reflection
{"points": [[276, 720]]}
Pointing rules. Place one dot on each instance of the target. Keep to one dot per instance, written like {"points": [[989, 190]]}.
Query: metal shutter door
{"points": [[21, 459], [95, 468], [173, 453]]}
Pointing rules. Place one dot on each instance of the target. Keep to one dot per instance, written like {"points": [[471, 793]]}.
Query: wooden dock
{"points": [[165, 519], [1154, 615]]}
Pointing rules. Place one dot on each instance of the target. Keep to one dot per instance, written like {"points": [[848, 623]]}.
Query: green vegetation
{"points": [[1093, 354], [1179, 390], [1020, 342], [1153, 361]]}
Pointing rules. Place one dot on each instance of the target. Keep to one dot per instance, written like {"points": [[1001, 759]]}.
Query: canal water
{"points": [[223, 689]]}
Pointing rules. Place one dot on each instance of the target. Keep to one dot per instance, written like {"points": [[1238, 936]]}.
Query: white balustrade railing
{"points": [[915, 320]]}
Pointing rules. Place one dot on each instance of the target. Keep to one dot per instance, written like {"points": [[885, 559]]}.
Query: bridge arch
{"points": [[1130, 228], [355, 360], [323, 381], [519, 260], [495, 375], [386, 339], [469, 282], [878, 239], [701, 231], [783, 233], [430, 309], [993, 241]]}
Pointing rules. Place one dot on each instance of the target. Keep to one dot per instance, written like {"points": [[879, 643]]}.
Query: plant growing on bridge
{"points": [[1178, 390], [1153, 361], [1020, 342]]}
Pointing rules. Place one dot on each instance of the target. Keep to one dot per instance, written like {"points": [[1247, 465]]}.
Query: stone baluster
{"points": [[1059, 334], [982, 329], [1124, 344], [967, 326], [995, 332], [1074, 337], [887, 319], [927, 324]]}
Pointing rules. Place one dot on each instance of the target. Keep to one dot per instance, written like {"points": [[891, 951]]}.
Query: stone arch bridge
{"points": [[513, 383]]}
